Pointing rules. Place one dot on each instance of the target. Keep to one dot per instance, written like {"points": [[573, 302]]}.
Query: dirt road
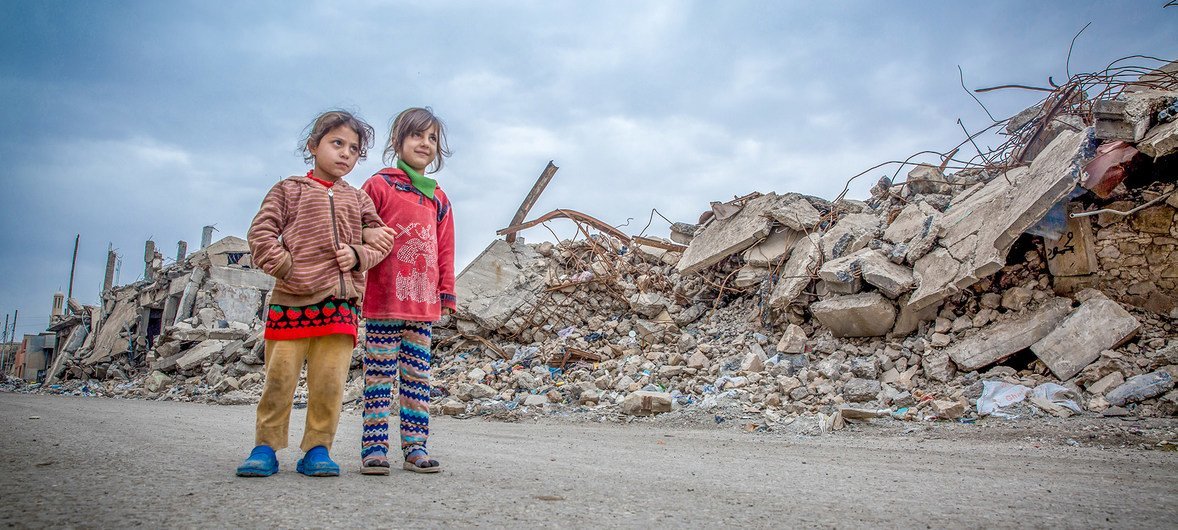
{"points": [[120, 463]]}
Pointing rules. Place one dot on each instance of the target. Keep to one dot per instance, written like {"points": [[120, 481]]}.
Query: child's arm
{"points": [[376, 235], [369, 255], [446, 261], [267, 252]]}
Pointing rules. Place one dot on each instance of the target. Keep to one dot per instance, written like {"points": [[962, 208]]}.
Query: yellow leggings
{"points": [[327, 358]]}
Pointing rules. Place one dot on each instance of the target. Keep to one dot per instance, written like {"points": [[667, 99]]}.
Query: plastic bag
{"points": [[999, 394], [1058, 394]]}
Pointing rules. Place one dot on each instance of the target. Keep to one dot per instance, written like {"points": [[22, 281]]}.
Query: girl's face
{"points": [[336, 154], [419, 148]]}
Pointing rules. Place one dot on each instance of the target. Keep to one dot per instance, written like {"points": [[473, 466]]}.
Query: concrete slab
{"points": [[891, 279], [977, 233], [795, 274], [797, 214], [999, 341], [850, 234], [750, 275], [497, 283], [916, 227], [857, 315], [1097, 325], [774, 249], [200, 353], [844, 275], [726, 237]]}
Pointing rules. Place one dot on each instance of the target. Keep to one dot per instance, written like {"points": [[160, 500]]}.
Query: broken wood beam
{"points": [[649, 242], [533, 196]]}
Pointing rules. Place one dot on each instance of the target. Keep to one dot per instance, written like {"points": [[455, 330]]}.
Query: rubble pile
{"points": [[1043, 275]]}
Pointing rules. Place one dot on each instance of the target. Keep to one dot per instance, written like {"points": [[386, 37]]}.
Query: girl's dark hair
{"points": [[413, 120], [328, 121]]}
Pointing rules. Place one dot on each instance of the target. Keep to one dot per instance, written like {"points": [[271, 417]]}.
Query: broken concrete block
{"points": [[200, 353], [924, 179], [155, 381], [1105, 383], [754, 360], [726, 237], [948, 410], [1128, 118], [798, 215], [649, 305], [843, 275], [795, 275], [793, 340], [452, 407], [916, 228], [851, 233], [1098, 324], [774, 249], [497, 283], [858, 315], [683, 233], [697, 361], [938, 366], [1002, 340], [1140, 388], [978, 231], [909, 319], [1058, 124], [858, 390], [644, 403], [750, 275], [891, 279], [1017, 298]]}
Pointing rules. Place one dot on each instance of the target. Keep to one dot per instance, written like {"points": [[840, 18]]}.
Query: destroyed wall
{"points": [[1137, 255]]}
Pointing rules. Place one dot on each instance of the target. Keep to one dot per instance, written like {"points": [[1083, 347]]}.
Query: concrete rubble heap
{"points": [[1055, 262]]}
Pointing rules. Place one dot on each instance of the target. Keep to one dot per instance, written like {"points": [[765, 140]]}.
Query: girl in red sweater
{"points": [[406, 292]]}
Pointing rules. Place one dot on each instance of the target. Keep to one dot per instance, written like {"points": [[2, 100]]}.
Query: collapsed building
{"points": [[1048, 264]]}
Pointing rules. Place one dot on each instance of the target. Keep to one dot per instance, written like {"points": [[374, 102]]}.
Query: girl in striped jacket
{"points": [[308, 235]]}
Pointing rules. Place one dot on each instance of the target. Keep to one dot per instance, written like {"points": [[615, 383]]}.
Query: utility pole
{"points": [[5, 328], [73, 266], [15, 314]]}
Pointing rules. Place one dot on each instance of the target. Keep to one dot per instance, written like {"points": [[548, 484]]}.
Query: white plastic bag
{"points": [[1058, 394], [999, 394]]}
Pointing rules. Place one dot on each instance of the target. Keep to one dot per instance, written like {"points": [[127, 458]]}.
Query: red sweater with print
{"points": [[416, 280]]}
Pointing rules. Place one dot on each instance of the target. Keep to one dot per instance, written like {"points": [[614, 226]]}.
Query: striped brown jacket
{"points": [[296, 231]]}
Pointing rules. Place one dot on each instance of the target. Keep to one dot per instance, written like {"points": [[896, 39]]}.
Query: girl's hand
{"points": [[379, 238], [447, 311], [346, 258]]}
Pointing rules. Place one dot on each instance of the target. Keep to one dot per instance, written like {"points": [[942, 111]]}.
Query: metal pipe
{"points": [[1119, 212]]}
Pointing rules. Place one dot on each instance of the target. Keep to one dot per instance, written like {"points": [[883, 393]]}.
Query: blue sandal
{"points": [[317, 463], [260, 463]]}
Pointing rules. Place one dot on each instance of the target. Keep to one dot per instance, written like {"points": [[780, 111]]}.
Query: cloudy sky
{"points": [[149, 120]]}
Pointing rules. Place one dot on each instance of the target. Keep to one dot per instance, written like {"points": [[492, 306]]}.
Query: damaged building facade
{"points": [[1049, 263]]}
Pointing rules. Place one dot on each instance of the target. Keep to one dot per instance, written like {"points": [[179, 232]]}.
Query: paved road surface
{"points": [[120, 463]]}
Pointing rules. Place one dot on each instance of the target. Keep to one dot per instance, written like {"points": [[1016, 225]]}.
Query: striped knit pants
{"points": [[395, 347]]}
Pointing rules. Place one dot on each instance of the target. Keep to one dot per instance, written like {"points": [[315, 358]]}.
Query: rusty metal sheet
{"points": [[574, 215], [1107, 169]]}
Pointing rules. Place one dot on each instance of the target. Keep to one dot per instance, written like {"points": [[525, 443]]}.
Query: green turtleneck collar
{"points": [[423, 183]]}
